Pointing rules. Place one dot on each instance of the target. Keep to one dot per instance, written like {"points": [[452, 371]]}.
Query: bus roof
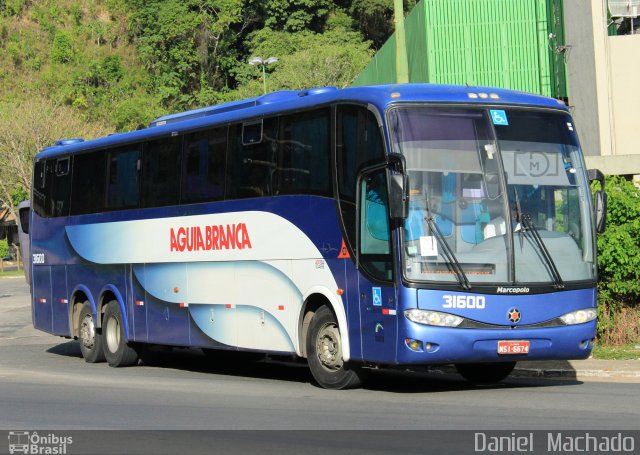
{"points": [[380, 96]]}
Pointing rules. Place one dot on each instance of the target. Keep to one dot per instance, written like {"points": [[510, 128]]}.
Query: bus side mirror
{"points": [[601, 200], [601, 211], [398, 187], [23, 213], [595, 174]]}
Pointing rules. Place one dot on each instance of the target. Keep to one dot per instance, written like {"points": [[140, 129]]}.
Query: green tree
{"points": [[294, 15], [179, 43], [619, 264], [619, 245], [62, 51], [306, 59], [375, 18], [4, 248]]}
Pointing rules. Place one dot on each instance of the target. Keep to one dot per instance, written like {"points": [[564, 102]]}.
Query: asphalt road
{"points": [[44, 383]]}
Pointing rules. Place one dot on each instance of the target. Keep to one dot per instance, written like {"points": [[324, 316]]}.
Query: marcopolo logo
{"points": [[507, 290], [34, 443]]}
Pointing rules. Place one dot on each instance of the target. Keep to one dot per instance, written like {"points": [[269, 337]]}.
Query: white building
{"points": [[603, 78]]}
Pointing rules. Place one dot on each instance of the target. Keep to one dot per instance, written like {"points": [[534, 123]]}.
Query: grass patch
{"points": [[625, 352], [10, 273]]}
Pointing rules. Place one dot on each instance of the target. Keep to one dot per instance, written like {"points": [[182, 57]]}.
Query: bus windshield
{"points": [[496, 196]]}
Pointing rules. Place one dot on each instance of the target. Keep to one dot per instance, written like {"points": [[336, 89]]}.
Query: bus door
{"points": [[60, 300], [42, 311], [378, 301], [136, 302]]}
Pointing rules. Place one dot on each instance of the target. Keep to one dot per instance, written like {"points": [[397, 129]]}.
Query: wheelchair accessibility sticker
{"points": [[499, 117], [377, 296]]}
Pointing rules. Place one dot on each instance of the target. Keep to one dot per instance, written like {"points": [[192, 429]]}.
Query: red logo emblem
{"points": [[514, 315]]}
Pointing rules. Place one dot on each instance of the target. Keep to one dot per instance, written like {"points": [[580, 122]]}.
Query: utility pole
{"points": [[402, 67]]}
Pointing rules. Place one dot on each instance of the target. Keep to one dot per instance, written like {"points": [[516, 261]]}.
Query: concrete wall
{"points": [[625, 92], [582, 78], [603, 74]]}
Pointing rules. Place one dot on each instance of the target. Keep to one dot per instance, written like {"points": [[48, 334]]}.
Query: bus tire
{"points": [[324, 354], [90, 338], [485, 373], [116, 350]]}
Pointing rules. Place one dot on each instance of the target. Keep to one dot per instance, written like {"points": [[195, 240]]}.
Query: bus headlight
{"points": [[428, 317], [579, 316]]}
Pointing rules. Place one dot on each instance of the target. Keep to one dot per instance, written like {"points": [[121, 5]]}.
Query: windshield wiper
{"points": [[448, 254], [526, 225]]}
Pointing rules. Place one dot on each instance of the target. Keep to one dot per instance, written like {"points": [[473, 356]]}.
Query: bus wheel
{"points": [[324, 354], [485, 373], [90, 339], [117, 352]]}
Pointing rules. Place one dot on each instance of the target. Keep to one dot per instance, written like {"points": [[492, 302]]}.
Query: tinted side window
{"points": [[304, 166], [58, 202], [123, 172], [87, 191], [204, 165], [161, 172], [375, 235], [38, 197], [359, 144], [252, 166]]}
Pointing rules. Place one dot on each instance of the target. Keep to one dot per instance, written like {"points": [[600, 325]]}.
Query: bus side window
{"points": [[204, 165], [161, 172], [87, 190], [358, 144], [123, 178], [39, 198], [304, 165], [252, 165], [60, 193], [375, 237]]}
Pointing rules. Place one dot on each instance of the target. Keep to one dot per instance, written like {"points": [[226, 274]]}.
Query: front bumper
{"points": [[441, 345]]}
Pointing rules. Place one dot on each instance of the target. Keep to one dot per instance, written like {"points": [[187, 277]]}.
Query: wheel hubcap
{"points": [[329, 347], [113, 334], [87, 332]]}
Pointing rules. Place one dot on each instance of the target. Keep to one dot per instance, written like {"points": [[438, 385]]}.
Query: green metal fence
{"points": [[515, 44]]}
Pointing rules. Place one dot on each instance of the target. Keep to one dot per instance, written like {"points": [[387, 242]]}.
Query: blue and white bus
{"points": [[404, 225]]}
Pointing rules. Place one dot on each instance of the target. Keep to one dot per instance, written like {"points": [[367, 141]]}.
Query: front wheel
{"points": [[485, 373], [324, 354], [117, 352]]}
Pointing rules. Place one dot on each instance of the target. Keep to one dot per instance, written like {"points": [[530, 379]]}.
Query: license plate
{"points": [[513, 347]]}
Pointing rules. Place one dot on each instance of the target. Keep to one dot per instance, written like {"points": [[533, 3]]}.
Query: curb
{"points": [[582, 374]]}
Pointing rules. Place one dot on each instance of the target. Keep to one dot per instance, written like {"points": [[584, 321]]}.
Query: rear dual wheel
{"points": [[116, 350], [89, 336]]}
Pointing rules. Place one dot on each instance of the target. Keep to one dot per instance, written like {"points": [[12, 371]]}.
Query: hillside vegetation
{"points": [[85, 68]]}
